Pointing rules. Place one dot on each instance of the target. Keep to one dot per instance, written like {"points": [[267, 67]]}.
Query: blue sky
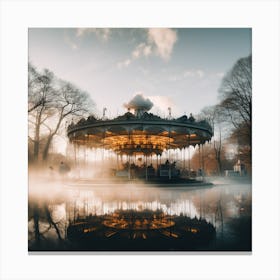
{"points": [[177, 68]]}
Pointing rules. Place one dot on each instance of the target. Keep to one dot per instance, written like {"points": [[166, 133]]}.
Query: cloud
{"points": [[163, 39], [80, 32], [158, 104], [139, 102], [101, 33], [124, 63], [194, 73], [162, 103], [175, 78], [142, 49], [72, 44], [159, 42], [200, 73]]}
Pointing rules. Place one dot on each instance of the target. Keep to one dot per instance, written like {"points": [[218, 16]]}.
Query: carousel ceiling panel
{"points": [[93, 131], [154, 129], [136, 128], [117, 129], [179, 130]]}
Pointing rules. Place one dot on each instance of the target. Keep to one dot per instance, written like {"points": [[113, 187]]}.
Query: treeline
{"points": [[52, 103], [231, 120]]}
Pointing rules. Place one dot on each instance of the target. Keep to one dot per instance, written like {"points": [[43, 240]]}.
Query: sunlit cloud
{"points": [[142, 49], [101, 33], [159, 42], [162, 103], [163, 39], [158, 104], [139, 101]]}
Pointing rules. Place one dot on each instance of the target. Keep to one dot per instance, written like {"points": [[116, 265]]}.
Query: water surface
{"points": [[54, 206]]}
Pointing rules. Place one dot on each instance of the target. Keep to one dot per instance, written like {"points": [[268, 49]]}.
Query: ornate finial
{"points": [[104, 113], [169, 112]]}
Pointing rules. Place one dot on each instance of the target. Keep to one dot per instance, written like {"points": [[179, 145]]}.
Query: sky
{"points": [[177, 68]]}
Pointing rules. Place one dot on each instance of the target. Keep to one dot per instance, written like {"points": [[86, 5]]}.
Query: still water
{"points": [[55, 207]]}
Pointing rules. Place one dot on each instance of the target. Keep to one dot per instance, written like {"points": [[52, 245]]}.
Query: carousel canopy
{"points": [[139, 132]]}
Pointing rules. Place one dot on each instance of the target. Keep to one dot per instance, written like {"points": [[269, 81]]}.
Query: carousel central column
{"points": [[129, 173], [184, 158], [129, 151], [199, 156], [103, 152], [75, 155], [202, 154], [157, 161], [189, 155], [169, 143], [146, 167]]}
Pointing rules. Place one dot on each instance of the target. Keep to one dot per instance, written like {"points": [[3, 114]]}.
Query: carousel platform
{"points": [[159, 183]]}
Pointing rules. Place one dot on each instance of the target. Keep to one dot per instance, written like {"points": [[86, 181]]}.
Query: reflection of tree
{"points": [[51, 222], [43, 223], [206, 203], [222, 205], [219, 215], [242, 230], [244, 204]]}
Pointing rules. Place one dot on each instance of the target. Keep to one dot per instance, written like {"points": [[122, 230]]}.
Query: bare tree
{"points": [[217, 145], [236, 95], [51, 102], [236, 105], [213, 116], [41, 96], [70, 102], [214, 159]]}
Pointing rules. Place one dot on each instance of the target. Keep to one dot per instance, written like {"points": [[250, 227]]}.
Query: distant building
{"points": [[239, 167], [238, 170]]}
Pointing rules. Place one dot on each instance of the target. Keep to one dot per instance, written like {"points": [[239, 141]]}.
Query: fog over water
{"points": [[54, 203]]}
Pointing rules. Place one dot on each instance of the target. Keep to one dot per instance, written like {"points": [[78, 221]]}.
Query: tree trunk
{"points": [[218, 149], [36, 151], [36, 142], [48, 144], [219, 165], [37, 135], [47, 147]]}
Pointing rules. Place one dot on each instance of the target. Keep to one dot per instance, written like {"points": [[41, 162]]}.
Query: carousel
{"points": [[128, 230], [142, 141]]}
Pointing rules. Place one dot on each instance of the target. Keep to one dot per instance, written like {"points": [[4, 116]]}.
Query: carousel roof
{"points": [[139, 133]]}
